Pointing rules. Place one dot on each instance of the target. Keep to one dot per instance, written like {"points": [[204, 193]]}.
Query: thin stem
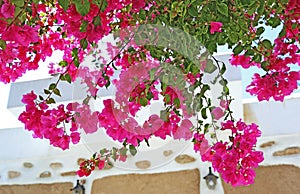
{"points": [[224, 80], [60, 76], [117, 55], [21, 11]]}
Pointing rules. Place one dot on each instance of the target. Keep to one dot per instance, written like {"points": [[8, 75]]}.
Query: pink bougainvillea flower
{"points": [[275, 84], [215, 27], [8, 10], [217, 113], [138, 4], [243, 61], [235, 159], [86, 119], [122, 158], [75, 136], [224, 104], [184, 131], [101, 164]]}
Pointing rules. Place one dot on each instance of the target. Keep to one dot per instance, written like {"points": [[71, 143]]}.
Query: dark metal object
{"points": [[211, 179], [78, 189]]}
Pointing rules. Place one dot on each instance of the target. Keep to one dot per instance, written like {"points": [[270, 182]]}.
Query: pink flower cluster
{"points": [[94, 79], [131, 86], [118, 116], [18, 54], [27, 45], [48, 123], [279, 80], [52, 123], [88, 166], [101, 160], [243, 61], [73, 21], [276, 85], [235, 159], [121, 127]]}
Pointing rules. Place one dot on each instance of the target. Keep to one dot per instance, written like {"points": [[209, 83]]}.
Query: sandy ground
{"points": [[55, 188], [180, 182], [280, 179]]}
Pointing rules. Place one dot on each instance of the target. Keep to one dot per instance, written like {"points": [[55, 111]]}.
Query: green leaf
{"points": [[52, 86], [212, 46], [74, 52], [282, 32], [76, 62], [274, 22], [46, 91], [203, 113], [102, 4], [192, 11], [238, 49], [123, 151], [103, 151], [164, 115], [143, 101], [245, 2], [142, 14], [152, 73], [18, 3], [82, 6], [132, 150], [233, 37], [257, 58], [226, 90], [167, 98], [267, 44], [2, 44], [264, 66], [149, 96], [223, 69], [97, 21], [41, 98], [260, 30], [68, 78], [64, 4], [56, 92], [63, 63], [83, 43], [50, 101], [177, 102], [261, 7], [249, 52], [83, 26], [222, 9], [203, 90], [210, 66], [114, 156], [223, 82]]}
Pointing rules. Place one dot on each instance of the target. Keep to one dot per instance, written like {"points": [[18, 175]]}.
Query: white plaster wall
{"points": [[275, 118]]}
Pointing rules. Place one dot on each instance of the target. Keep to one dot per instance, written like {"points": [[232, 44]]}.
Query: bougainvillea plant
{"points": [[160, 51]]}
